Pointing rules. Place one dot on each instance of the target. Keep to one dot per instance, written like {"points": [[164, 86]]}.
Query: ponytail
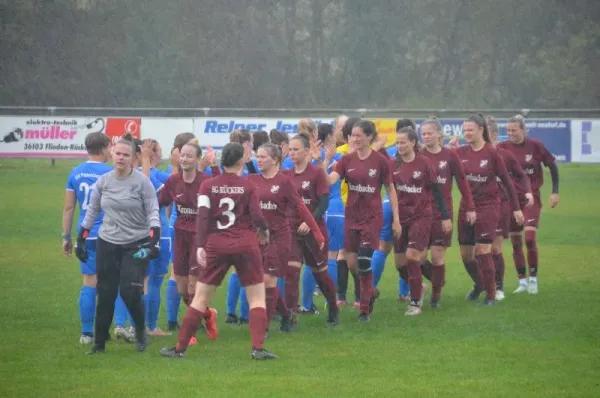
{"points": [[479, 120]]}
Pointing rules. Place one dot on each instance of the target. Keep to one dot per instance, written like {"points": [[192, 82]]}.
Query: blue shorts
{"points": [[387, 234], [160, 265], [335, 231], [89, 267], [172, 232]]}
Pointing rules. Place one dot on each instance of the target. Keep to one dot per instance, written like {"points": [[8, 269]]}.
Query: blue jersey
{"points": [[80, 181], [287, 163], [336, 205], [158, 179], [392, 151]]}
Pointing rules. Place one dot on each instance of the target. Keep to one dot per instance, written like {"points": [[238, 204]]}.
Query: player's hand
{"points": [[67, 247], [80, 249], [447, 226], [211, 156], [303, 229], [397, 229], [329, 152], [201, 257], [147, 148], [529, 197], [519, 218], [315, 150], [471, 217], [453, 143], [263, 236], [321, 244], [554, 199]]}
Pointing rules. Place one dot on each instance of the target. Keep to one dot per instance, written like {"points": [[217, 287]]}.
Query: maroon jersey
{"points": [[310, 184], [228, 213], [413, 181], [446, 164], [364, 178], [277, 198], [530, 154], [185, 198], [517, 176], [481, 168]]}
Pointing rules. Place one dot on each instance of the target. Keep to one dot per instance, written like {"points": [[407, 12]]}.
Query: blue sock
{"points": [[233, 293], [120, 312], [153, 308], [244, 308], [332, 269], [87, 309], [402, 287], [281, 286], [308, 287], [173, 301], [378, 264]]}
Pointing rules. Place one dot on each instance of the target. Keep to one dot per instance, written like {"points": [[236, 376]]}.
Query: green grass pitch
{"points": [[527, 346]]}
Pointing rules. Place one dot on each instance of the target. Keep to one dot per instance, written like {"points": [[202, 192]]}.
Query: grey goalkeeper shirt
{"points": [[130, 207]]}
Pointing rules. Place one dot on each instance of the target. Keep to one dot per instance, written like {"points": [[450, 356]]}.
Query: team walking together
{"points": [[282, 212]]}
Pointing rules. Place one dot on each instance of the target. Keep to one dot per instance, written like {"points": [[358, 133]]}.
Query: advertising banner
{"points": [[585, 141], [165, 130]]}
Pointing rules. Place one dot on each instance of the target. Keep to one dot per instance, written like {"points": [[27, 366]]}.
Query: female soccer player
{"points": [[531, 154], [79, 187], [181, 189], [505, 223], [365, 171], [447, 166], [282, 140], [416, 184], [482, 165], [228, 216], [127, 240], [312, 185], [278, 199], [386, 236]]}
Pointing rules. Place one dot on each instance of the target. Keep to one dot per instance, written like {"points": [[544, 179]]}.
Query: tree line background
{"points": [[301, 53]]}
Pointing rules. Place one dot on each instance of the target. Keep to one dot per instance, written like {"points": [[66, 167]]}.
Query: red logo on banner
{"points": [[117, 127]]}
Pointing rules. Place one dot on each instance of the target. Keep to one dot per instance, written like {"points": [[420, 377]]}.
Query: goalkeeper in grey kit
{"points": [[127, 240]]}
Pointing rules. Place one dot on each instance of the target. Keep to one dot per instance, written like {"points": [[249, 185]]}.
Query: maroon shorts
{"points": [[437, 236], [533, 212], [415, 235], [484, 229], [366, 236], [305, 249], [275, 254], [184, 255], [247, 262], [504, 221]]}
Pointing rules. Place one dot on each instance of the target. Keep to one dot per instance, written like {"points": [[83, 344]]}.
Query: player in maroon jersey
{"points": [[278, 199], [530, 154], [181, 190], [416, 185], [313, 187], [226, 230], [365, 171], [447, 166], [482, 165], [506, 223]]}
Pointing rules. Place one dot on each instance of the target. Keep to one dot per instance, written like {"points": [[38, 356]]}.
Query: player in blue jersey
{"points": [[386, 237], [78, 191]]}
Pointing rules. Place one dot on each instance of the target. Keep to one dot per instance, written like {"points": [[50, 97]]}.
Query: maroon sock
{"points": [[499, 265], [292, 287], [532, 252], [486, 267], [415, 279], [282, 308], [518, 255], [327, 287], [473, 271], [366, 291], [272, 294], [258, 326], [438, 274], [191, 321]]}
